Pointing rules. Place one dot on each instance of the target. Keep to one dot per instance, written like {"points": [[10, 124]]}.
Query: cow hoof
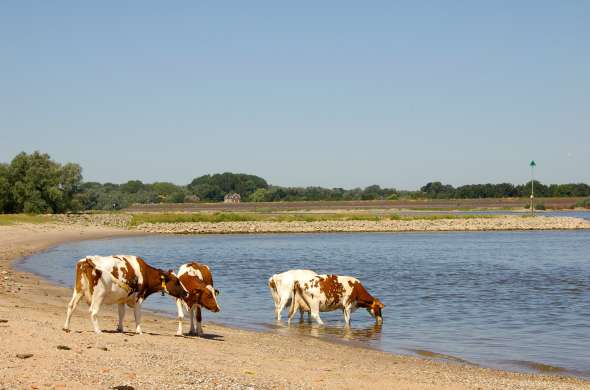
{"points": [[66, 330]]}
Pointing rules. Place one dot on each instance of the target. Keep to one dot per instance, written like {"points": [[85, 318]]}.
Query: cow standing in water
{"points": [[331, 292], [119, 280], [197, 282], [281, 287]]}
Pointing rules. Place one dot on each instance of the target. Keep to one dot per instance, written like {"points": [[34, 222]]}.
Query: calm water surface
{"points": [[500, 299]]}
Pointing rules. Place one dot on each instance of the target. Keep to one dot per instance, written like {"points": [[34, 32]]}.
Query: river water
{"points": [[512, 300]]}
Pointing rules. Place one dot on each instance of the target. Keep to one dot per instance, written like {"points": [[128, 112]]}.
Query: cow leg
{"points": [[94, 309], [180, 316], [191, 314], [71, 307], [315, 312], [137, 315], [292, 310], [199, 319], [346, 312], [121, 317], [301, 314], [280, 307], [316, 317]]}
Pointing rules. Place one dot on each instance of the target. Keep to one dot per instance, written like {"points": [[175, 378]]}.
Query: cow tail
{"points": [[272, 285], [86, 277], [296, 297]]}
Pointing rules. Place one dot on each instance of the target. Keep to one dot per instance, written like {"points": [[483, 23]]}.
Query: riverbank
{"points": [[382, 225], [225, 358]]}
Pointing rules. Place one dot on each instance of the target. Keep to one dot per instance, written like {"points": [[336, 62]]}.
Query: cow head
{"points": [[208, 299], [171, 285], [206, 296], [375, 310]]}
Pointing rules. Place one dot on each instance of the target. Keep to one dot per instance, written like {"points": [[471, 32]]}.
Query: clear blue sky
{"points": [[338, 94]]}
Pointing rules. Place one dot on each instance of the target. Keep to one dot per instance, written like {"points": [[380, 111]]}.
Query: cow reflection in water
{"points": [[370, 332]]}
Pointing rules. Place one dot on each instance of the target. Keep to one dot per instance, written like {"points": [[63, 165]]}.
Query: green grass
{"points": [[433, 217], [140, 218], [11, 219]]}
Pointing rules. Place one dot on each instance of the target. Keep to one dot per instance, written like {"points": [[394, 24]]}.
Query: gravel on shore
{"points": [[416, 225]]}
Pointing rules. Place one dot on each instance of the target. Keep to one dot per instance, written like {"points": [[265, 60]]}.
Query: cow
{"points": [[197, 282], [281, 287], [119, 280], [331, 292]]}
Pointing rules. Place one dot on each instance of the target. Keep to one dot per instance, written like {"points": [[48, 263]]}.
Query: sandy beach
{"points": [[32, 313]]}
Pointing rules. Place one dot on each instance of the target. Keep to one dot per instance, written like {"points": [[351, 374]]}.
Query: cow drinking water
{"points": [[324, 293]]}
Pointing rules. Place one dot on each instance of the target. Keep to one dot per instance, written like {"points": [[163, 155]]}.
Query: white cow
{"points": [[331, 292], [119, 280], [281, 287]]}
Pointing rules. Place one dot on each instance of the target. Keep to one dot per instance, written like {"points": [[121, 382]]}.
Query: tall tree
{"points": [[40, 185]]}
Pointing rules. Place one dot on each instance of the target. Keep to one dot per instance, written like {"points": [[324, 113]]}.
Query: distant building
{"points": [[232, 198]]}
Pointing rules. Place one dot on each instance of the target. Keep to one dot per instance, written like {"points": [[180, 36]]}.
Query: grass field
{"points": [[360, 205], [10, 219], [139, 218]]}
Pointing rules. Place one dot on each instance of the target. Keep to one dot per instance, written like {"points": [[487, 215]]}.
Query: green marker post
{"points": [[533, 165]]}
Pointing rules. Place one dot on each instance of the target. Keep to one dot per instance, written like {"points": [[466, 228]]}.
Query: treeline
{"points": [[33, 183], [437, 190]]}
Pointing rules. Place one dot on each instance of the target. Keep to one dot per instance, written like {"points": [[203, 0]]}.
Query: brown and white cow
{"points": [[119, 280], [281, 287], [197, 281], [331, 292]]}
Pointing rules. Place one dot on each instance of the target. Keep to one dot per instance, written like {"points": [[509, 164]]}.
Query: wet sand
{"points": [[32, 313]]}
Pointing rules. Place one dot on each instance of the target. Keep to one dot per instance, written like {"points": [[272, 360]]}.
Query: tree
{"points": [[260, 195], [132, 186], [39, 185], [176, 197], [5, 193], [164, 188], [214, 187], [541, 190], [438, 190], [372, 192]]}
